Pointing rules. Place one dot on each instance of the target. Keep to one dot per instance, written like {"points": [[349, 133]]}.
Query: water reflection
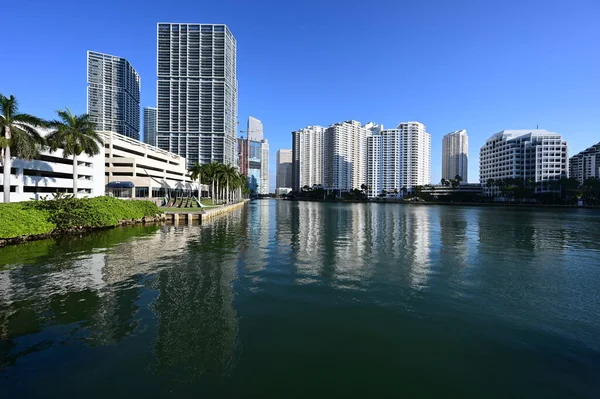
{"points": [[281, 292], [97, 294], [197, 325]]}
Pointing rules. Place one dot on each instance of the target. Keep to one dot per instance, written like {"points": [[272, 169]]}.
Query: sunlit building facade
{"points": [[307, 157], [197, 92], [398, 159], [529, 155], [113, 94], [455, 155]]}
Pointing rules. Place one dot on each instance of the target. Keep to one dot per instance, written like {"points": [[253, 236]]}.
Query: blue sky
{"points": [[480, 65]]}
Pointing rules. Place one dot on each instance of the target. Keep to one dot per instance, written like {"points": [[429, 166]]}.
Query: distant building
{"points": [[307, 157], [284, 169], [255, 129], [438, 191], [282, 191], [138, 170], [345, 156], [113, 94], [243, 153], [150, 125], [264, 167], [254, 166], [529, 155], [398, 159], [197, 92], [586, 164], [455, 155]]}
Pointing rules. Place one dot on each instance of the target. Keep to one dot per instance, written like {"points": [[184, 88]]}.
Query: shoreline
{"points": [[475, 204], [162, 219]]}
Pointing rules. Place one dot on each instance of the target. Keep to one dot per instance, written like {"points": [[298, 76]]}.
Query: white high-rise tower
{"points": [[455, 155], [197, 91], [398, 159]]}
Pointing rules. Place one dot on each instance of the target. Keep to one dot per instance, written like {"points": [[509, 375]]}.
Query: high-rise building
{"points": [[254, 166], [197, 91], [284, 169], [455, 155], [586, 164], [529, 155], [307, 157], [264, 167], [255, 129], [345, 156], [150, 126], [398, 159], [113, 94], [243, 154]]}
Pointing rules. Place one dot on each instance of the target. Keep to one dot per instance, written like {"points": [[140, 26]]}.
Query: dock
{"points": [[201, 216]]}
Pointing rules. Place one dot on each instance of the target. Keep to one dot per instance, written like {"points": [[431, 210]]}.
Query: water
{"points": [[285, 299]]}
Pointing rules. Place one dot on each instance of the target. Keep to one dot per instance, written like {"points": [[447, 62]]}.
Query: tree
{"points": [[197, 171], [211, 171], [229, 173], [19, 137], [75, 134], [458, 178]]}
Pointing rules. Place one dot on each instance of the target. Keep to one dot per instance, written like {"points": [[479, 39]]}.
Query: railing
{"points": [[134, 142]]}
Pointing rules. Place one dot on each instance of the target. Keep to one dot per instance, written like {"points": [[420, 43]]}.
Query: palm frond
{"points": [[23, 145], [30, 120], [8, 107]]}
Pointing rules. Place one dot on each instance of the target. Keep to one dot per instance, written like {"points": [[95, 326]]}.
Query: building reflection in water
{"points": [[197, 324], [347, 243], [93, 284]]}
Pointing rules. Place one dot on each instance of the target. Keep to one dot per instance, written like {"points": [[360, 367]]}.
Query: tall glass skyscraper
{"points": [[150, 126], [113, 94], [197, 92]]}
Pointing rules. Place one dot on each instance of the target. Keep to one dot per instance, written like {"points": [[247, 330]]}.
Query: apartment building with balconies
{"points": [[529, 155]]}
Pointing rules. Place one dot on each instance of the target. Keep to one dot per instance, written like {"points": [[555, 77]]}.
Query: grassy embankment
{"points": [[33, 218]]}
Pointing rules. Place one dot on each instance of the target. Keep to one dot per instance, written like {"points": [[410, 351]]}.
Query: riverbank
{"points": [[447, 203], [36, 220], [30, 220]]}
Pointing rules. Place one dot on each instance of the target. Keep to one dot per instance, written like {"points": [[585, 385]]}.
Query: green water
{"points": [[284, 299]]}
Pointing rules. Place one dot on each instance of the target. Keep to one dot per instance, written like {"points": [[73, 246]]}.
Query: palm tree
{"points": [[19, 137], [230, 173], [197, 171], [210, 170], [75, 134]]}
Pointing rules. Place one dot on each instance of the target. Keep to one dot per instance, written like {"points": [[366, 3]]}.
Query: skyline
{"points": [[508, 65]]}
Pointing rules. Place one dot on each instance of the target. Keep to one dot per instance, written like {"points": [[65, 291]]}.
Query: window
{"points": [[141, 192]]}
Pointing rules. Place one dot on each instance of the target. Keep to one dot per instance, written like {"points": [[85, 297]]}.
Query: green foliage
{"points": [[65, 211], [18, 220]]}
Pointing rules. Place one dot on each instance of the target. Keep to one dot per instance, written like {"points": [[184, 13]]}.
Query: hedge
{"points": [[64, 212], [18, 220]]}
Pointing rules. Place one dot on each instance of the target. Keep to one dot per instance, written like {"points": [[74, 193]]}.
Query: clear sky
{"points": [[480, 65]]}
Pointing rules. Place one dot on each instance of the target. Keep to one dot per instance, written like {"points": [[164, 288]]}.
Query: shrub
{"points": [[67, 212], [19, 219], [64, 211]]}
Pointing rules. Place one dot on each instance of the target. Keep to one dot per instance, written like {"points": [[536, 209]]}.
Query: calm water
{"points": [[286, 299]]}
